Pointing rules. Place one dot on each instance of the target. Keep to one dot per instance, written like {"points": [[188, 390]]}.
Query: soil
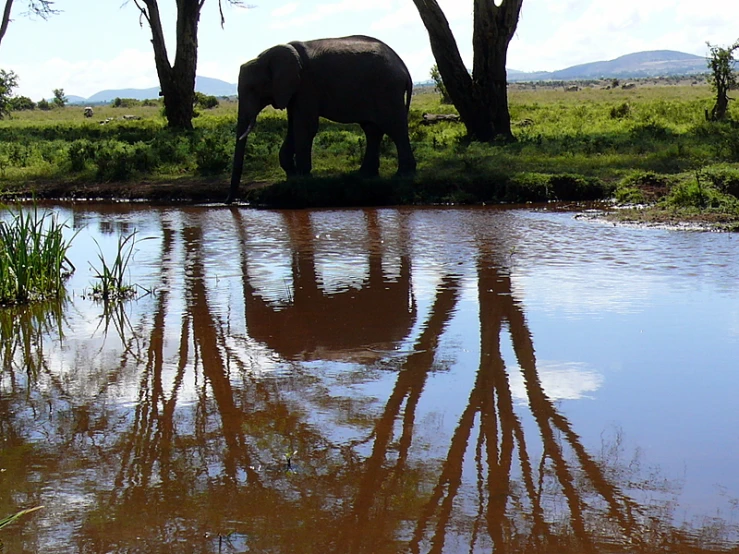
{"points": [[180, 190]]}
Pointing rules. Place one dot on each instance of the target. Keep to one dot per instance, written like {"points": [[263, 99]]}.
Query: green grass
{"points": [[111, 276], [570, 146], [33, 256]]}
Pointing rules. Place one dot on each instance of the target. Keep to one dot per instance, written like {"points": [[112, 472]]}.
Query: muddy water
{"points": [[413, 380]]}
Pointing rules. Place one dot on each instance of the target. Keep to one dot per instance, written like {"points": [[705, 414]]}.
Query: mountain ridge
{"points": [[648, 63]]}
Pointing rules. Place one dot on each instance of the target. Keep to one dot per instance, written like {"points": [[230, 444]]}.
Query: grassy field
{"points": [[587, 144]]}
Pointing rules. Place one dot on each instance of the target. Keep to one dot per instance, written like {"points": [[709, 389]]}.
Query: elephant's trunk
{"points": [[238, 163]]}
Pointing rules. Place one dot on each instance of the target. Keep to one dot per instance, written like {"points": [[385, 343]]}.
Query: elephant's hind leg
{"points": [[371, 163], [287, 150], [406, 159]]}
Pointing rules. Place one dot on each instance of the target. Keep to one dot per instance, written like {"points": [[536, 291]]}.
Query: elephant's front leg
{"points": [[371, 163], [304, 131], [287, 150]]}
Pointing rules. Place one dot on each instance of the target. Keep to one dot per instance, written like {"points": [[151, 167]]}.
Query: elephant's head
{"points": [[270, 78]]}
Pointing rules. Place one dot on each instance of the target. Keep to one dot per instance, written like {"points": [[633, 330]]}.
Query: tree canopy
{"points": [[722, 77]]}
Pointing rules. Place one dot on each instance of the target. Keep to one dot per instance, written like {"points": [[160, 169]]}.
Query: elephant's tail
{"points": [[409, 92]]}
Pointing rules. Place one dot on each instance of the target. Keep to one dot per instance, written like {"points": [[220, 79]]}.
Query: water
{"points": [[393, 380]]}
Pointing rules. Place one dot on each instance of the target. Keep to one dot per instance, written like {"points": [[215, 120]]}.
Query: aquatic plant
{"points": [[111, 276], [10, 519], [33, 256]]}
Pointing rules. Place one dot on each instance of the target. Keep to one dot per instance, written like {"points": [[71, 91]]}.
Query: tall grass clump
{"points": [[33, 256], [111, 275]]}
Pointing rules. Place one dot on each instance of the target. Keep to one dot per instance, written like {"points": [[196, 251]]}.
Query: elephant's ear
{"points": [[284, 63]]}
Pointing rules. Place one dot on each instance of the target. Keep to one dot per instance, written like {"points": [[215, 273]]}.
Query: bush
{"points": [[621, 111], [21, 103], [43, 104], [213, 153], [724, 178], [82, 153], [574, 187], [125, 102], [205, 101], [118, 161]]}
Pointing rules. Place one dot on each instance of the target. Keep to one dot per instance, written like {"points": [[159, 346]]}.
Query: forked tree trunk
{"points": [[480, 98], [177, 80]]}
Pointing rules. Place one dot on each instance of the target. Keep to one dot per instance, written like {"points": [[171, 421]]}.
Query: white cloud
{"points": [[285, 10], [129, 69], [323, 11]]}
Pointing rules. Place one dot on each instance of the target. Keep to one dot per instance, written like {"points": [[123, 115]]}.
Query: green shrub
{"points": [[621, 111], [574, 187], [212, 153], [641, 187], [119, 161], [82, 153], [205, 101], [21, 103], [125, 102], [43, 104], [724, 178]]}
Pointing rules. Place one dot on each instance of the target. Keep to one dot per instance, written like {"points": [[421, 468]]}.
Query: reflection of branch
{"points": [[408, 388]]}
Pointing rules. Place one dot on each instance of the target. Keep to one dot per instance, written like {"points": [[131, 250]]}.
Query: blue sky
{"points": [[98, 44]]}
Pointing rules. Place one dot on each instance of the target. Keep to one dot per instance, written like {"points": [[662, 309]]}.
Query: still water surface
{"points": [[380, 381]]}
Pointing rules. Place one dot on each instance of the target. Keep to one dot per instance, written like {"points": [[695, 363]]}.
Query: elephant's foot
{"points": [[405, 172], [369, 170]]}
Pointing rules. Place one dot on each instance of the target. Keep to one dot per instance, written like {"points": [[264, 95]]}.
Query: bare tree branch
{"points": [[38, 8]]}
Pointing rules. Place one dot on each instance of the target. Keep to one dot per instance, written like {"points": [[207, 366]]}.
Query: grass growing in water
{"points": [[33, 256], [111, 276], [10, 519]]}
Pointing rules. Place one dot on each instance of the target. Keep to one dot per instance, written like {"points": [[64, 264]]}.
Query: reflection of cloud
{"points": [[560, 381], [575, 292]]}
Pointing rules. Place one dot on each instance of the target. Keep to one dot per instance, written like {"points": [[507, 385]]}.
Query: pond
{"points": [[381, 381]]}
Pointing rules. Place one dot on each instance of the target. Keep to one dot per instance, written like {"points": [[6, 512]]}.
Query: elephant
{"points": [[355, 79]]}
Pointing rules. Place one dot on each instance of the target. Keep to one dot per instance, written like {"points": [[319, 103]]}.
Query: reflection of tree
{"points": [[199, 445]]}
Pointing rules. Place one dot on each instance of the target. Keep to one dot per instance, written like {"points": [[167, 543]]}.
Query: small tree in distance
{"points": [[8, 81], [59, 99], [722, 78], [439, 85]]}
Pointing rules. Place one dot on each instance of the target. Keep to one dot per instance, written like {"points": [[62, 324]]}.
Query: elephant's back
{"points": [[361, 57]]}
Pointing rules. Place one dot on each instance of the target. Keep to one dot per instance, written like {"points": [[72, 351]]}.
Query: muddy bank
{"points": [[180, 190], [659, 218]]}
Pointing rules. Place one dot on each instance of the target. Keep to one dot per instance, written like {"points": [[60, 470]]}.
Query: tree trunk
{"points": [[482, 98], [176, 81]]}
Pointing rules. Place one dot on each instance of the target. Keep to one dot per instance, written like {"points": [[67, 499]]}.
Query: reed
{"points": [[111, 276], [33, 256]]}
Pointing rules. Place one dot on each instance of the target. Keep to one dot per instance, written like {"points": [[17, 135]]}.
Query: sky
{"points": [[94, 45]]}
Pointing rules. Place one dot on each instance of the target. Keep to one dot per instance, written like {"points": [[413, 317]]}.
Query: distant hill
{"points": [[655, 63], [206, 85]]}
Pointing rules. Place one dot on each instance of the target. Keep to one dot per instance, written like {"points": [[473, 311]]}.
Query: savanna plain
{"points": [[461, 361], [650, 144]]}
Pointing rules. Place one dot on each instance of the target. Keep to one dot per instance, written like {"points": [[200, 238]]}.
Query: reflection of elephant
{"points": [[353, 79], [348, 324]]}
